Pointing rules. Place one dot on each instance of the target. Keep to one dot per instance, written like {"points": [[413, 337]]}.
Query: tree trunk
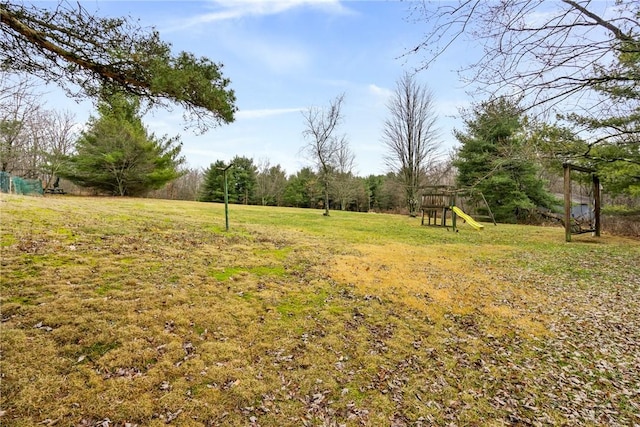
{"points": [[326, 199]]}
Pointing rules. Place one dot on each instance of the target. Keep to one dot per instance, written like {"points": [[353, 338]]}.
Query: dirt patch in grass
{"points": [[440, 281]]}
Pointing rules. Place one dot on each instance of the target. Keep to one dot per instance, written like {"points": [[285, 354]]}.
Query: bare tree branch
{"points": [[323, 145], [410, 135], [533, 49]]}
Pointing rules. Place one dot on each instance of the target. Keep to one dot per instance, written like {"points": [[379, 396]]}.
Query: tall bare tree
{"points": [[59, 133], [345, 186], [270, 183], [411, 136], [324, 144], [19, 110]]}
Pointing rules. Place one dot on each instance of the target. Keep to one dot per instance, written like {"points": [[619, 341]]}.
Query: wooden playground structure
{"points": [[453, 202], [450, 202]]}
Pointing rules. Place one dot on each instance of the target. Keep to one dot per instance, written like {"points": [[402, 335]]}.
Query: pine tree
{"points": [[116, 154], [213, 186], [493, 160]]}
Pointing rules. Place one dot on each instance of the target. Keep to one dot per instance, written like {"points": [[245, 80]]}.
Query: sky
{"points": [[286, 56]]}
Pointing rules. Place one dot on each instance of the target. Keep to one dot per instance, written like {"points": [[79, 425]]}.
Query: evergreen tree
{"points": [[618, 166], [213, 186], [117, 155], [243, 180], [615, 154], [493, 160], [616, 163], [303, 189]]}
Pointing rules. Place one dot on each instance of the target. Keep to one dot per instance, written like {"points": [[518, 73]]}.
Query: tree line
{"points": [[268, 185], [507, 149], [503, 154]]}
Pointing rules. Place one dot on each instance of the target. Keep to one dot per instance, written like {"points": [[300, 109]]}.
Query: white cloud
{"points": [[266, 112], [234, 9], [277, 54], [381, 92]]}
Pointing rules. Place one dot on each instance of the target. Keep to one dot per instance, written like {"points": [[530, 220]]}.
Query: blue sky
{"points": [[285, 56]]}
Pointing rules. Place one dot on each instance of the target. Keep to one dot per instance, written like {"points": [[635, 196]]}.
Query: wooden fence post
{"points": [[567, 202]]}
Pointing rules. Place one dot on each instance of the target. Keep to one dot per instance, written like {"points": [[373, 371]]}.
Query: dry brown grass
{"points": [[439, 282], [145, 312]]}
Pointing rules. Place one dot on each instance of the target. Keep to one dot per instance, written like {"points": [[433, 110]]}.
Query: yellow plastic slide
{"points": [[472, 222]]}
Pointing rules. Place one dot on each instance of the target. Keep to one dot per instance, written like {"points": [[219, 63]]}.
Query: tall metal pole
{"points": [[226, 196], [226, 201]]}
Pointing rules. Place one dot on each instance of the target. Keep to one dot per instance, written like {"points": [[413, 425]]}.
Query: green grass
{"points": [[147, 312]]}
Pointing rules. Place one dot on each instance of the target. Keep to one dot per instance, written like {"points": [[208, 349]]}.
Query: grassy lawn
{"points": [[146, 312]]}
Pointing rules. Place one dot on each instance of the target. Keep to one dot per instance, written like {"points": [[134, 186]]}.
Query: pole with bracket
{"points": [[226, 196]]}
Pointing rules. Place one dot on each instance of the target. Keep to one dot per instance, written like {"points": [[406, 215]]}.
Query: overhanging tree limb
{"points": [[41, 40], [70, 47], [616, 31]]}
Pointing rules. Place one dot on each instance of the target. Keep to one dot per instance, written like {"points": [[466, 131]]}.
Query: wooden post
{"points": [[596, 202], [489, 209], [567, 202], [452, 203]]}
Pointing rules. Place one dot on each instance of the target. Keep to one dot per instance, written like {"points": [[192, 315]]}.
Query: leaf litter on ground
{"points": [[158, 317]]}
